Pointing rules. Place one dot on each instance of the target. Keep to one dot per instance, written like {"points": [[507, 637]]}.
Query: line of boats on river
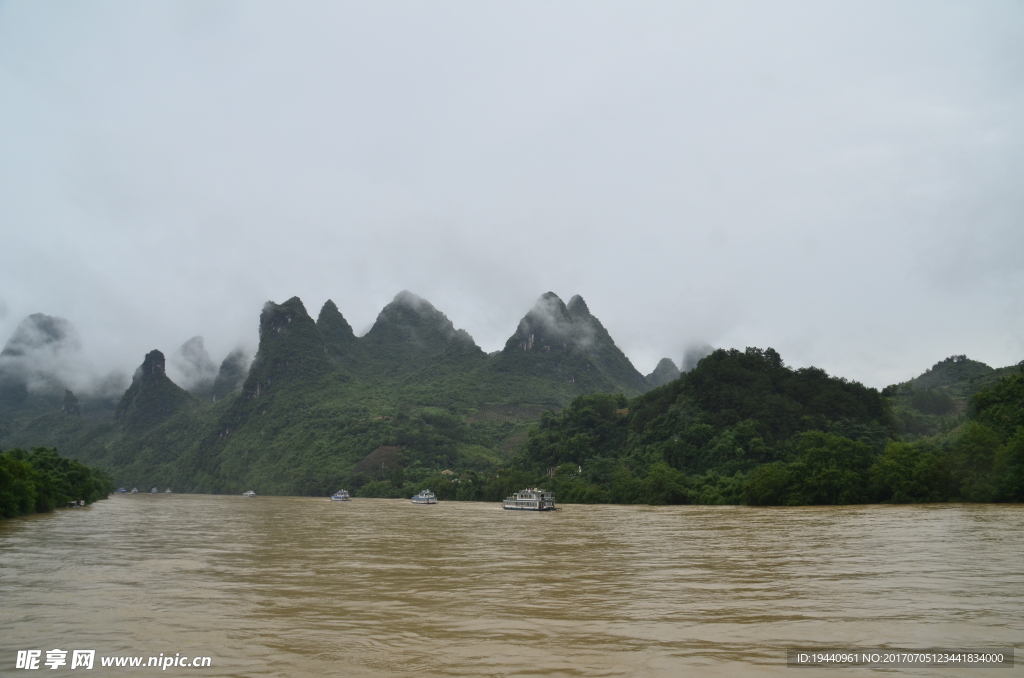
{"points": [[530, 499]]}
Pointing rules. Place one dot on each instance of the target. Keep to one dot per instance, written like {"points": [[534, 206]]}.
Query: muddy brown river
{"points": [[281, 586]]}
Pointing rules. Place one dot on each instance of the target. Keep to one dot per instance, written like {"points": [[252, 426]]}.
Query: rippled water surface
{"points": [[299, 587]]}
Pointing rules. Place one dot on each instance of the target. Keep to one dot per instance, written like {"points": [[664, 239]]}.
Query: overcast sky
{"points": [[841, 181]]}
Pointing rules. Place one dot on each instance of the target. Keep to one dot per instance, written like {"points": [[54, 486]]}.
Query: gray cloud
{"points": [[840, 182], [550, 321], [191, 366], [45, 354], [693, 354]]}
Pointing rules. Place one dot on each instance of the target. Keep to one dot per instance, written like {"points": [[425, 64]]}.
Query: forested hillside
{"points": [[744, 428], [415, 402]]}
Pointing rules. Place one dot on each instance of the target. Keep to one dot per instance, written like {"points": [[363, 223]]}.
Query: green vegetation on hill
{"points": [[957, 372], [743, 428], [415, 403], [932, 403], [317, 401], [697, 438], [41, 480]]}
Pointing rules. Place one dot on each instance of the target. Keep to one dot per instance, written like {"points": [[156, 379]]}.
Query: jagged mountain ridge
{"points": [[317, 399], [412, 359]]}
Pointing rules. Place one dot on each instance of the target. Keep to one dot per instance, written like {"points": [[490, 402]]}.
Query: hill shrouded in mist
{"points": [[381, 414], [316, 400], [665, 372]]}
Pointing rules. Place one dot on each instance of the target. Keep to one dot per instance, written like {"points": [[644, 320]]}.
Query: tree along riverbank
{"points": [[41, 480]]}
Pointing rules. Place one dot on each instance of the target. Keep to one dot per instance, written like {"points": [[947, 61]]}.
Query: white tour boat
{"points": [[530, 499], [249, 493], [135, 490], [425, 497], [340, 495]]}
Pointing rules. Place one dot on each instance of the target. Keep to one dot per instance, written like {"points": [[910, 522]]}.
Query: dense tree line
{"points": [[744, 428], [40, 480]]}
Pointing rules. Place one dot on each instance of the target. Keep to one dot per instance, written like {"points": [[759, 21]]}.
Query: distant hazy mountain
{"points": [[195, 368], [665, 372], [694, 354], [231, 374]]}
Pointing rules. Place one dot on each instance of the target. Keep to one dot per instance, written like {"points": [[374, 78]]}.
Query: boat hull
{"points": [[528, 508]]}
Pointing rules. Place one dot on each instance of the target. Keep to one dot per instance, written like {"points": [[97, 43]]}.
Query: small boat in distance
{"points": [[167, 491], [340, 495], [135, 490], [425, 497], [154, 490], [121, 490], [248, 493], [530, 499]]}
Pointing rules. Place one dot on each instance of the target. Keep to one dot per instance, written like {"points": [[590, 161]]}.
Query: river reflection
{"points": [[297, 586]]}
